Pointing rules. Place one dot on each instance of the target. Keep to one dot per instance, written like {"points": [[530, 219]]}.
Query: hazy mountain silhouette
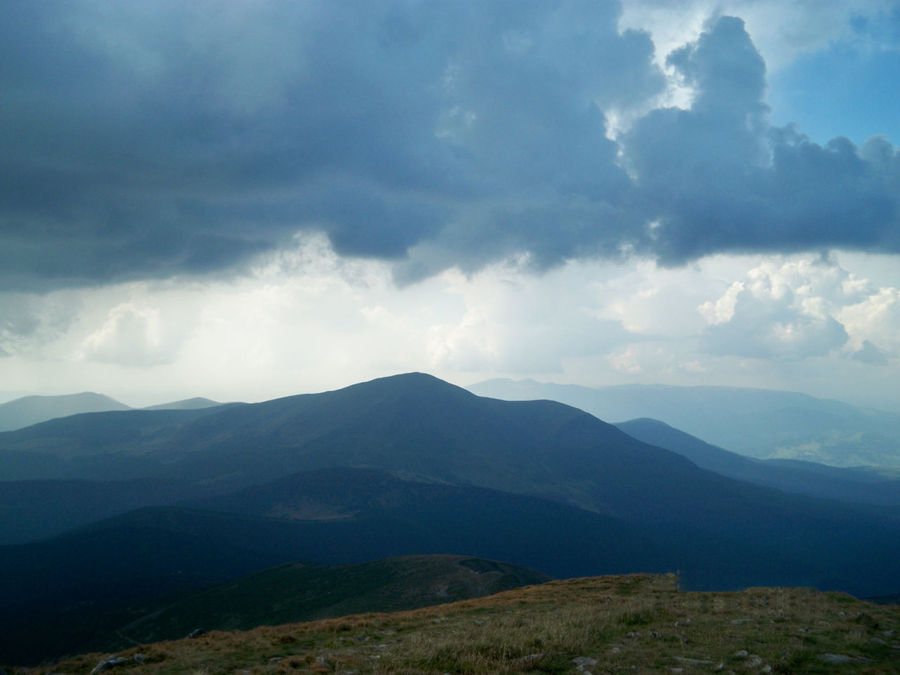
{"points": [[38, 509], [28, 410], [95, 446], [818, 480], [759, 423], [185, 404]]}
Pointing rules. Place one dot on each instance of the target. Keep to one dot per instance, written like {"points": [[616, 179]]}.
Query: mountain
{"points": [[28, 410], [73, 591], [817, 480], [301, 592], [413, 424], [103, 446], [416, 426], [185, 404], [37, 509], [758, 423], [69, 593]]}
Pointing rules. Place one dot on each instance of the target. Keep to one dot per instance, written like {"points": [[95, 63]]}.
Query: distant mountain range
{"points": [[405, 465], [759, 423], [28, 410], [806, 478]]}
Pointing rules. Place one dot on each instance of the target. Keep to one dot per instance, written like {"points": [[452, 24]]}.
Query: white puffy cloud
{"points": [[133, 334], [874, 324], [793, 309]]}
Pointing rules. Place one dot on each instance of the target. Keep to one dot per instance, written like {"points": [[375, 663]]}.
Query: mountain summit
{"points": [[28, 410]]}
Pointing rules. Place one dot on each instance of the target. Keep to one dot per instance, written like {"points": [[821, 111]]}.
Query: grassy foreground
{"points": [[633, 623]]}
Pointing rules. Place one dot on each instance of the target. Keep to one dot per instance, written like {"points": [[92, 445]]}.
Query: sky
{"points": [[244, 200]]}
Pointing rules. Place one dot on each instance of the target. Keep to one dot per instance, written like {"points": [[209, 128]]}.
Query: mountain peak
{"points": [[28, 410]]}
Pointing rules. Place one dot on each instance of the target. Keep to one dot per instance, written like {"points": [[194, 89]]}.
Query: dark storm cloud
{"points": [[717, 178], [155, 139]]}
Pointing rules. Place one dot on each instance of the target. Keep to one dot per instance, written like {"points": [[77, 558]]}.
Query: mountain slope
{"points": [[70, 592], [299, 592], [817, 480], [95, 446], [796, 426], [31, 510], [28, 410]]}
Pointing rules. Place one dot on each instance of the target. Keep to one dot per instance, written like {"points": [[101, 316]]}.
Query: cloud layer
{"points": [[150, 140]]}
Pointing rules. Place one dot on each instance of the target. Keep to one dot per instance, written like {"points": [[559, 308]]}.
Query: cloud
{"points": [[874, 322], [153, 140], [870, 354], [783, 31], [29, 322], [132, 335], [514, 323], [717, 178], [790, 310]]}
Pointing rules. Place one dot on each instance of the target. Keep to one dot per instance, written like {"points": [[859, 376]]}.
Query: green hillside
{"points": [[299, 592]]}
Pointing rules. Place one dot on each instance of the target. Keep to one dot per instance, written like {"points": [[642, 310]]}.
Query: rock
{"points": [[140, 659], [322, 662], [530, 658], [742, 654], [110, 662], [584, 662], [753, 661], [197, 632]]}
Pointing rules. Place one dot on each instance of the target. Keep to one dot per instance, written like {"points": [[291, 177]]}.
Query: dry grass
{"points": [[635, 623]]}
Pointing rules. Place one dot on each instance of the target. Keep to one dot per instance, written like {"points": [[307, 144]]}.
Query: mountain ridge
{"points": [[816, 480], [28, 410], [798, 426]]}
